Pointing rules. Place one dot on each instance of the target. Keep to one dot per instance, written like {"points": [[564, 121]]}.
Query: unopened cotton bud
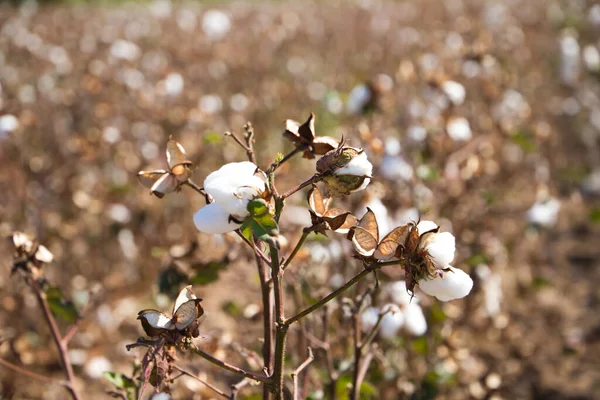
{"points": [[347, 170], [447, 285]]}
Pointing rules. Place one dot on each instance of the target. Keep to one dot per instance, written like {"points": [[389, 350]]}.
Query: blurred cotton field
{"points": [[483, 116]]}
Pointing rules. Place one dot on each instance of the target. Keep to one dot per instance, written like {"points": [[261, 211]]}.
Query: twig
{"points": [[60, 344], [291, 154], [249, 137], [208, 385], [363, 370], [32, 374], [374, 331], [75, 327], [329, 297], [297, 371], [231, 368], [198, 189], [299, 245], [268, 334], [313, 179], [235, 388], [357, 354], [238, 141]]}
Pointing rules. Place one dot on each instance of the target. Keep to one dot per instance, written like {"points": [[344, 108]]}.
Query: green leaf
{"points": [[60, 306], [212, 137], [343, 387], [278, 157], [119, 380], [260, 223], [524, 140], [595, 215]]}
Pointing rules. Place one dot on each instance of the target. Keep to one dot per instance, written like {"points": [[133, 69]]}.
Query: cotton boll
{"points": [[358, 98], [441, 248], [455, 92], [591, 58], [212, 218], [399, 294], [414, 320], [392, 146], [544, 213], [426, 226], [96, 367], [216, 24], [569, 59], [448, 285], [459, 129], [8, 124], [396, 168], [368, 318], [358, 166], [391, 322]]}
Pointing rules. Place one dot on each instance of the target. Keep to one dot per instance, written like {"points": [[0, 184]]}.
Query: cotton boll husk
{"points": [[358, 166], [369, 318], [414, 320], [441, 248], [380, 211], [448, 285], [212, 218], [391, 322], [399, 294]]}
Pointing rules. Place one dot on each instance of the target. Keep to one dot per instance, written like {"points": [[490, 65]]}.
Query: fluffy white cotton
{"points": [[459, 129], [441, 248], [448, 285], [455, 92], [8, 123], [213, 219], [544, 213], [414, 320], [398, 293], [216, 24], [426, 226], [358, 166], [396, 168], [391, 322], [233, 186], [368, 318]]}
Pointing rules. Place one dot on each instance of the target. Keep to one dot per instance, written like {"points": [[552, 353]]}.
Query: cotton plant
{"points": [[242, 198]]}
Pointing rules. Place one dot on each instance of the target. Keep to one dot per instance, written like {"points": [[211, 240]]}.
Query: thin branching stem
{"points": [[249, 138], [301, 367], [286, 158], [299, 245], [32, 374], [61, 345], [237, 140], [231, 368], [198, 189], [208, 385], [313, 179], [254, 247]]}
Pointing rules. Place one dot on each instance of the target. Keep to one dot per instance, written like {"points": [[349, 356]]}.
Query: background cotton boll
{"points": [[336, 281], [369, 318], [396, 168], [8, 124], [359, 96], [459, 129], [399, 295], [174, 84], [212, 218], [391, 322], [414, 319], [96, 367], [406, 215], [591, 58], [449, 285], [125, 50], [544, 213], [569, 59], [455, 92], [392, 146], [492, 289], [216, 24]]}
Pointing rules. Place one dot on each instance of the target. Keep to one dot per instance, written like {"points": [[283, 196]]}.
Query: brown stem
{"points": [[249, 137], [238, 141], [329, 297], [297, 371], [75, 327], [357, 354], [280, 325], [231, 368], [32, 374], [208, 385], [198, 189], [291, 154], [267, 300], [313, 179], [60, 344], [254, 247]]}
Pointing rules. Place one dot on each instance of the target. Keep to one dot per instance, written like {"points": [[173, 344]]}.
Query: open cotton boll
{"points": [[358, 166], [455, 92], [426, 226], [459, 129], [214, 219], [441, 248], [448, 285], [399, 294], [391, 322], [368, 318], [414, 320], [544, 213]]}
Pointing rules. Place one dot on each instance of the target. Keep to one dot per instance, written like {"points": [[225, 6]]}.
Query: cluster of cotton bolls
{"points": [[402, 313]]}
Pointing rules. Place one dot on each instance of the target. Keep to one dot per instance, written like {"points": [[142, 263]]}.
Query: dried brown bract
{"points": [[162, 182], [325, 218], [303, 135]]}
